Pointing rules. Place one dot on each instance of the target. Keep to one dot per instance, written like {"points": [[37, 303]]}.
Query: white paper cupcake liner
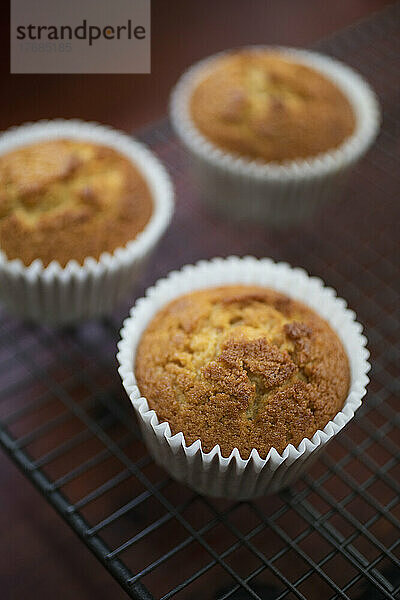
{"points": [[58, 295], [277, 194], [233, 477]]}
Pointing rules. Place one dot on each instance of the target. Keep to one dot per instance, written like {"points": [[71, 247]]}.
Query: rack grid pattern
{"points": [[65, 420]]}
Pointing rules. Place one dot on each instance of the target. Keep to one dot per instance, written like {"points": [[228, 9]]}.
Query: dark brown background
{"points": [[182, 32], [39, 556]]}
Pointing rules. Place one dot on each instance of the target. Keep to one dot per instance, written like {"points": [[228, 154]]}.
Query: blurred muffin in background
{"points": [[82, 208], [272, 132], [263, 106], [68, 199]]}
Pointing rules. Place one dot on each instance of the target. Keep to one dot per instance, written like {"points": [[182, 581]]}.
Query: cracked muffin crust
{"points": [[263, 106], [66, 199], [243, 367]]}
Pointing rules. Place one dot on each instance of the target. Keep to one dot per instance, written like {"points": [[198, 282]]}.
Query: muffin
{"points": [[243, 367], [272, 132], [82, 209], [240, 371], [68, 199], [263, 106]]}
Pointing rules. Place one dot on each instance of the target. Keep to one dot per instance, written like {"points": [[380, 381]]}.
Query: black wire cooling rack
{"points": [[66, 423]]}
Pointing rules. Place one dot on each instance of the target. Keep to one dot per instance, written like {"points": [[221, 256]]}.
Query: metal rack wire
{"points": [[65, 421]]}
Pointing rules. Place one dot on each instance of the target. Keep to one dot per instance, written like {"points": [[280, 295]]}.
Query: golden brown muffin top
{"points": [[262, 106], [243, 367], [67, 199]]}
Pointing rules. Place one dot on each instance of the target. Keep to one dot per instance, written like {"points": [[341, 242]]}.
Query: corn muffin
{"points": [[243, 367], [260, 105], [66, 199]]}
